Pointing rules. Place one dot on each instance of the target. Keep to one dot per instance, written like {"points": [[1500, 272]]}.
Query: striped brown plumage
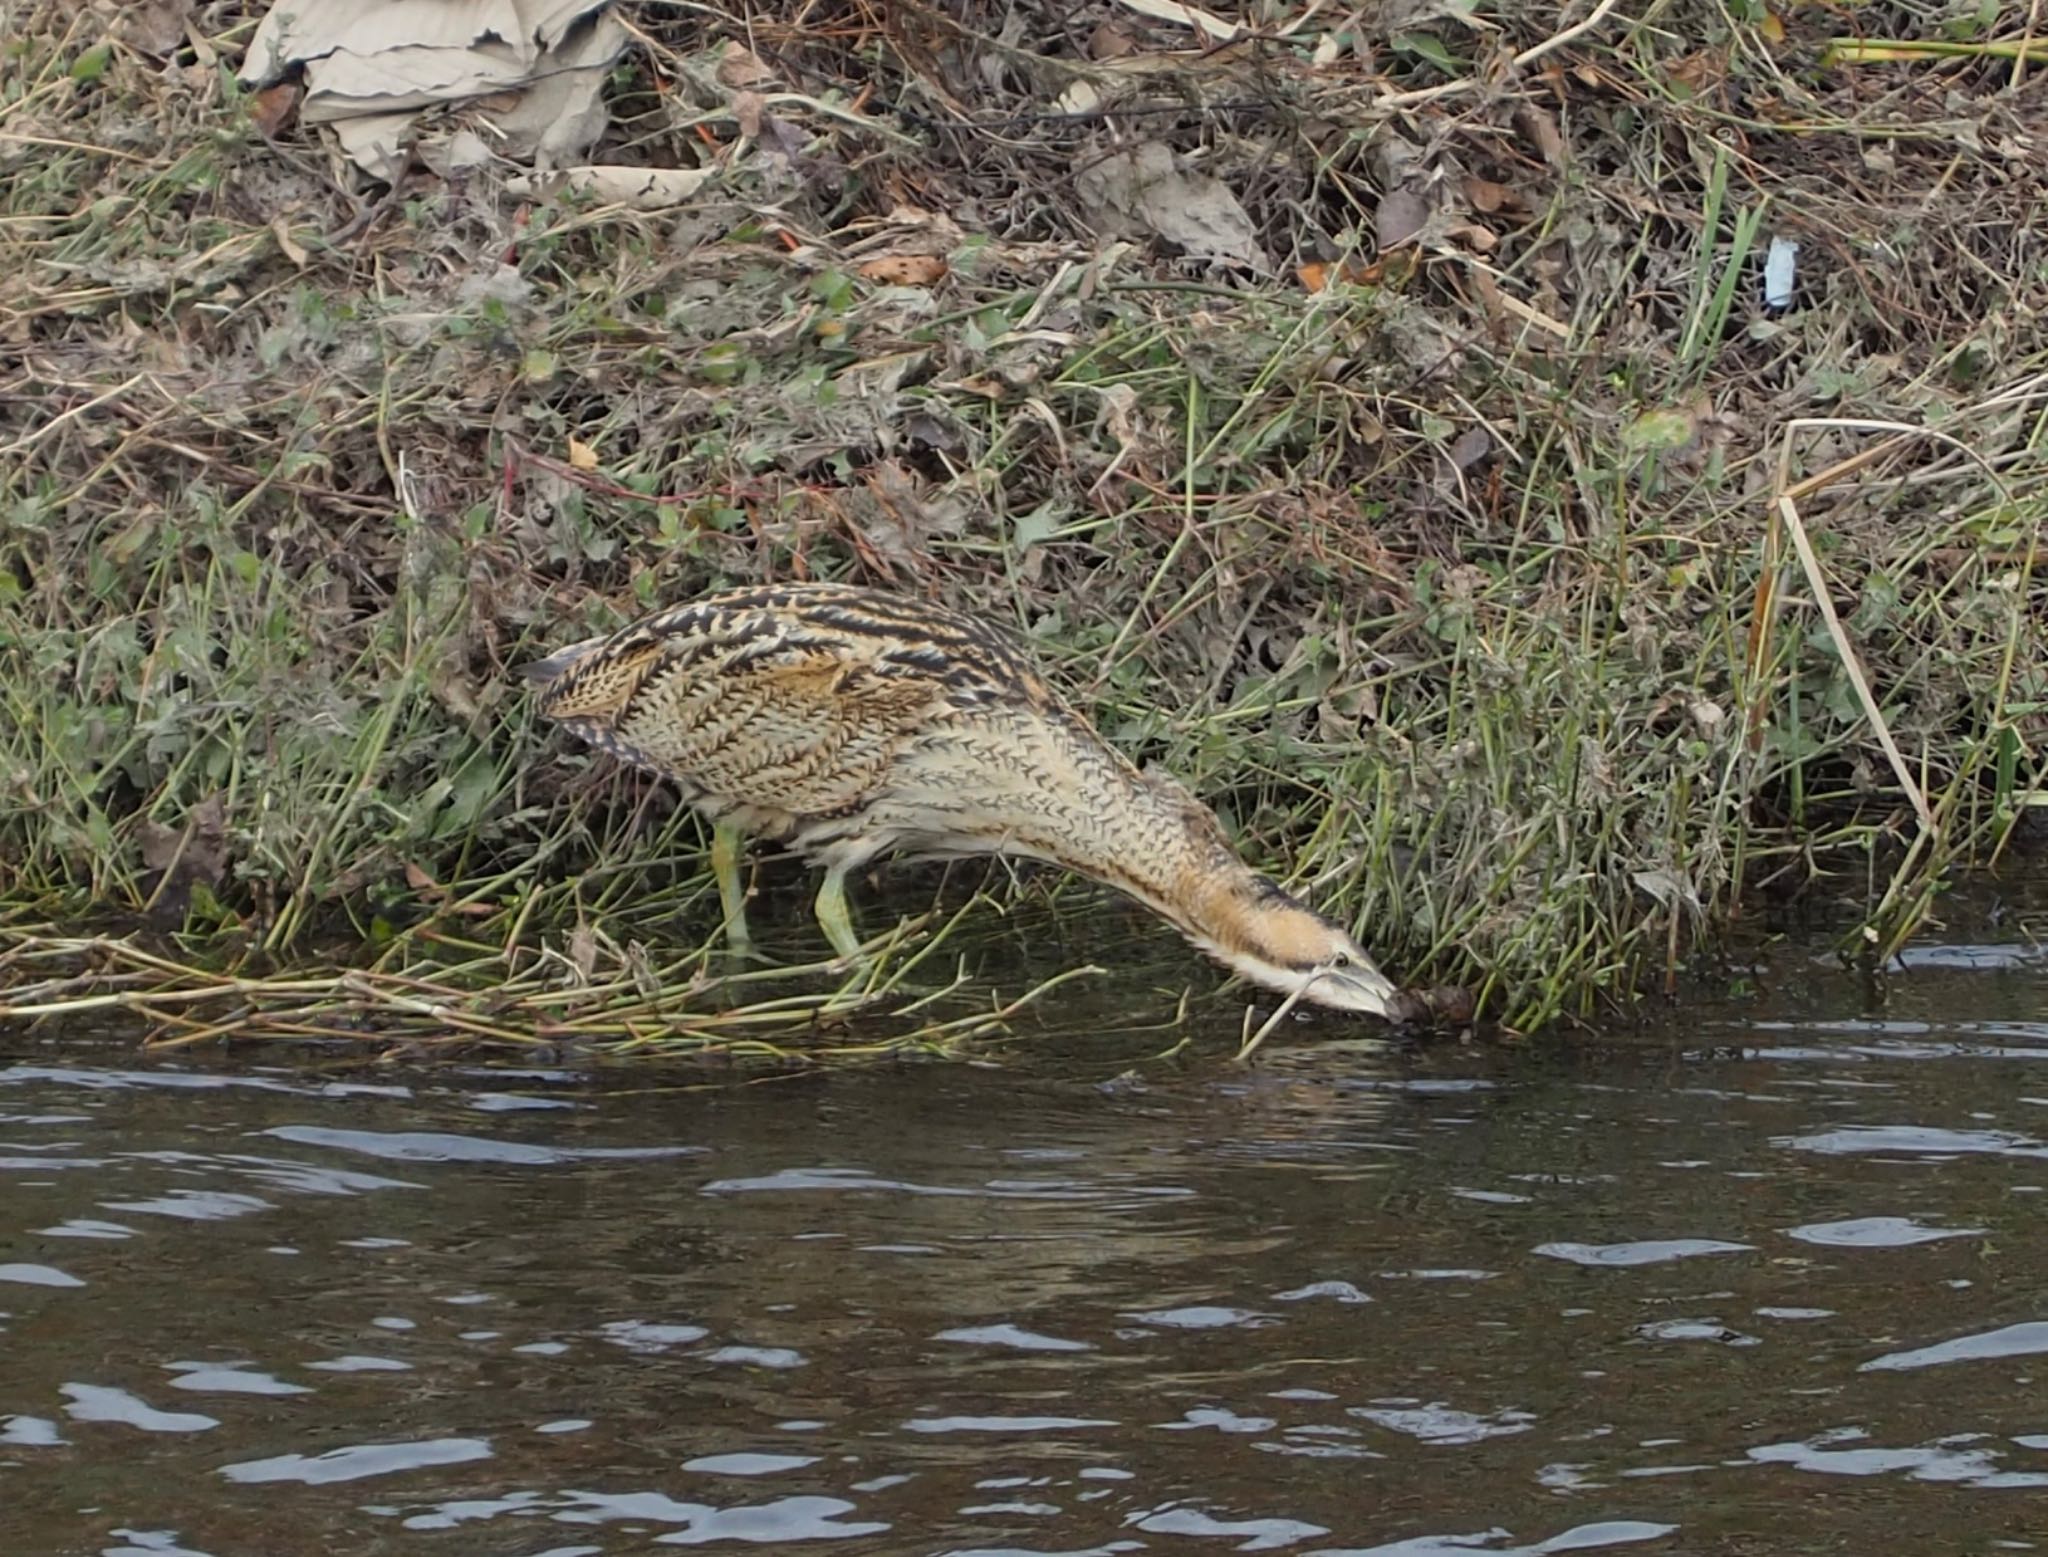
{"points": [[850, 723]]}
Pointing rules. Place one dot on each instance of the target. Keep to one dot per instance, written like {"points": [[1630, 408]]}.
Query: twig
{"points": [[1250, 1046], [1788, 512], [30, 440]]}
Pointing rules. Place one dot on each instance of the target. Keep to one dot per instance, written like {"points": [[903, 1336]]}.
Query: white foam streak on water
{"points": [[2020, 1340]]}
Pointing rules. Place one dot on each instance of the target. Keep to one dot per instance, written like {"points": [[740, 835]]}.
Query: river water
{"points": [[1771, 1280]]}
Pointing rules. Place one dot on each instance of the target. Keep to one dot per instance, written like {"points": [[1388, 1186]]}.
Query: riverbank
{"points": [[1452, 522]]}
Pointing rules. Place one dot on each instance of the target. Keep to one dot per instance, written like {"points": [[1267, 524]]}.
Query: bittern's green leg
{"points": [[832, 914], [726, 845]]}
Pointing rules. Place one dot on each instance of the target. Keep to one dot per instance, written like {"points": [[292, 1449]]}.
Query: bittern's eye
{"points": [[1341, 960]]}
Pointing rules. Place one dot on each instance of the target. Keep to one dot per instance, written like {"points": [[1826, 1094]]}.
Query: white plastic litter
{"points": [[1781, 269]]}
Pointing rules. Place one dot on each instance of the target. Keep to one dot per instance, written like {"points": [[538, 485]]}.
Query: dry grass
{"points": [[1462, 584]]}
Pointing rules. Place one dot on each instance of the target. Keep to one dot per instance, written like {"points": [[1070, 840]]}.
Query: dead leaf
{"points": [[740, 66], [1700, 71], [1147, 186], [1501, 307], [892, 517], [1482, 240], [1344, 711], [1402, 214], [1669, 889], [1540, 129], [641, 966], [1109, 41], [184, 857], [1316, 274], [583, 949], [1470, 447], [425, 885], [1485, 196], [581, 455], [271, 109], [905, 270], [747, 108], [154, 26], [286, 243], [199, 848]]}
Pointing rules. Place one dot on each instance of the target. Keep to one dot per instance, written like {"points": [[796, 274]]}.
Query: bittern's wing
{"points": [[755, 706]]}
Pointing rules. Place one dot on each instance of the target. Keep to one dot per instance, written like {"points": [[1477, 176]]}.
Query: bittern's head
{"points": [[1256, 928], [1260, 931]]}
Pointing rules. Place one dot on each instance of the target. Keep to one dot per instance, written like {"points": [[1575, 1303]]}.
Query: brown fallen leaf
{"points": [[1482, 240], [581, 456], [272, 108], [740, 66], [287, 245], [154, 26], [1317, 274], [1540, 129], [905, 270], [747, 108], [1485, 196], [1699, 72], [1110, 41], [184, 857], [431, 891]]}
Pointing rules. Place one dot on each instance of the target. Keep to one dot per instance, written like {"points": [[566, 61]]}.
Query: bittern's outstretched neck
{"points": [[1165, 848]]}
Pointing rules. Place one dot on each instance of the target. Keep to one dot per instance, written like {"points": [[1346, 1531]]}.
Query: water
{"points": [[1773, 1283]]}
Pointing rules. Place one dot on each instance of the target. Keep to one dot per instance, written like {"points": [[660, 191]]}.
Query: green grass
{"points": [[1483, 632]]}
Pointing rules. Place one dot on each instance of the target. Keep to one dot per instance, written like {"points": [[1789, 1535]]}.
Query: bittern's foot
{"points": [[836, 922], [732, 896]]}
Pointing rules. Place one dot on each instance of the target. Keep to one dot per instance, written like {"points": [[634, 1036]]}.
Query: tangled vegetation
{"points": [[1512, 575]]}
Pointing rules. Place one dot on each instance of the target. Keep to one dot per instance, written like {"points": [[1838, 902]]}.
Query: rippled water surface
{"points": [[1772, 1283]]}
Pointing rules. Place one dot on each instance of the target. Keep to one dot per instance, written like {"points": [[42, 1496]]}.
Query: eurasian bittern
{"points": [[850, 723]]}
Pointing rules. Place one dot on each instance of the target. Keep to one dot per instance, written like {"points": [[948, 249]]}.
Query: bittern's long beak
{"points": [[1357, 987]]}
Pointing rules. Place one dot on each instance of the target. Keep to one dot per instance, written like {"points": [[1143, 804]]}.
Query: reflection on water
{"points": [[1651, 1297]]}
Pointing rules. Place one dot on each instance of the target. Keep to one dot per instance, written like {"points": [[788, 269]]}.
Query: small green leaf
{"points": [[1040, 524], [92, 64], [1655, 430], [1427, 46], [474, 787]]}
